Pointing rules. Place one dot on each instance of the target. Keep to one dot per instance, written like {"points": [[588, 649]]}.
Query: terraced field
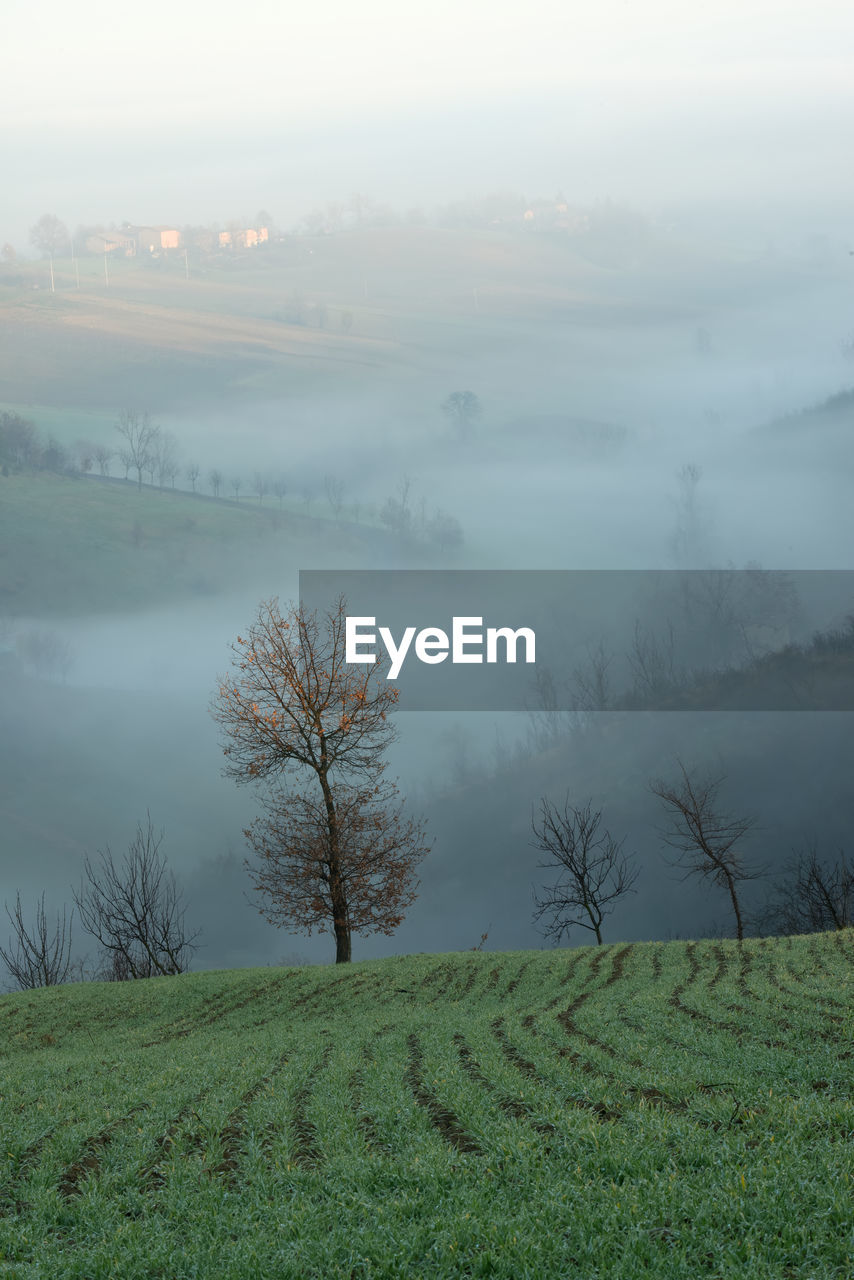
{"points": [[674, 1110]]}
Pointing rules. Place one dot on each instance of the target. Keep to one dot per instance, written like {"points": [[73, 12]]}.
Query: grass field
{"points": [[76, 545], [672, 1110]]}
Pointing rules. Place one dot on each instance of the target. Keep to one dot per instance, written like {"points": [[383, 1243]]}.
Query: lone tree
{"points": [[462, 409], [135, 909], [335, 850], [50, 236], [707, 840], [37, 955], [594, 871]]}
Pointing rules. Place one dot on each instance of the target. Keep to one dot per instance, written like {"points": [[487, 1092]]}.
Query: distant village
{"points": [[604, 230], [129, 241]]}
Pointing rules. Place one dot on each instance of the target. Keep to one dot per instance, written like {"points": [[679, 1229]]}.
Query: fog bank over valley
{"points": [[563, 292]]}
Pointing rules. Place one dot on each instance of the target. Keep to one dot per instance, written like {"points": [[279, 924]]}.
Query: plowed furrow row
{"points": [[799, 1002], [213, 1010], [721, 965], [516, 1107], [527, 1068], [803, 989], [307, 1154], [365, 1121], [27, 1161], [441, 1118], [233, 1131], [88, 1164], [151, 1175], [514, 982]]}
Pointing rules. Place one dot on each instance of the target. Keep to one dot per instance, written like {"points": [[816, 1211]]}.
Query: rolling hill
{"points": [[673, 1110]]}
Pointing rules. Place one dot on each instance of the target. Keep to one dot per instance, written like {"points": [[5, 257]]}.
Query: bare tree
{"points": [[656, 671], [235, 487], [594, 871], [135, 910], [103, 456], [688, 535], [591, 685], [814, 896], [707, 841], [333, 487], [164, 457], [215, 480], [141, 437], [259, 486], [192, 471], [307, 495], [397, 513], [37, 955], [280, 488]]}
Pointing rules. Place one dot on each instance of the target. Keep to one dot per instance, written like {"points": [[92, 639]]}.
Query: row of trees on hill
{"points": [[334, 849], [150, 456]]}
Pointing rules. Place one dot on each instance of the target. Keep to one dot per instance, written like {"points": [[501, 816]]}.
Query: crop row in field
{"points": [[679, 1109]]}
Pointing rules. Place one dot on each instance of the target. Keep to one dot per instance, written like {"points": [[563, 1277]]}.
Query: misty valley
{"points": [[599, 1019], [497, 396]]}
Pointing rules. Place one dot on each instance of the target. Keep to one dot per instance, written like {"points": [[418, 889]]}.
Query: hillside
{"points": [[74, 545], [674, 1110]]}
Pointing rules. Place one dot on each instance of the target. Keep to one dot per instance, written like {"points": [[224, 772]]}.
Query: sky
{"points": [[176, 112]]}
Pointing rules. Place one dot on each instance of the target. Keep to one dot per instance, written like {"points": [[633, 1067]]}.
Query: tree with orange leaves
{"points": [[337, 854]]}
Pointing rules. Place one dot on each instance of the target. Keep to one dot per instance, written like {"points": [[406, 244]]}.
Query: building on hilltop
{"points": [[128, 241], [155, 239], [121, 242]]}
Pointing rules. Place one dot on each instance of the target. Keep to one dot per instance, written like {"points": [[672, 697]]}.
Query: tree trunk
{"points": [[342, 945], [739, 931], [338, 898]]}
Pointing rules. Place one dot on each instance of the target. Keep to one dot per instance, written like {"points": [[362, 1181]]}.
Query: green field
{"points": [[73, 545], [675, 1110]]}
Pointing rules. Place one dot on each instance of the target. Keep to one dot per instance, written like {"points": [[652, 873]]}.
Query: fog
{"points": [[628, 234]]}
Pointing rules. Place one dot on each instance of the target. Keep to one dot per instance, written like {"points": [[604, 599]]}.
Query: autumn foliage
{"points": [[333, 846]]}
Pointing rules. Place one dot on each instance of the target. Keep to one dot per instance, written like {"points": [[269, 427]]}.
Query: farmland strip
{"points": [[307, 1153], [89, 1162], [441, 1118], [515, 1107]]}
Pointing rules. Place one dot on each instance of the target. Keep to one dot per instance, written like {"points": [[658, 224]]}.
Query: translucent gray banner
{"points": [[601, 640]]}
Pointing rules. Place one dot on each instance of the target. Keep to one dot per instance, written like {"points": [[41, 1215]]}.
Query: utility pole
{"points": [[186, 264], [106, 270], [52, 285]]}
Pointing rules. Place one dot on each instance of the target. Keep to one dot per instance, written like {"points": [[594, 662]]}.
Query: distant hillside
{"points": [[73, 545], [837, 410], [651, 1110]]}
